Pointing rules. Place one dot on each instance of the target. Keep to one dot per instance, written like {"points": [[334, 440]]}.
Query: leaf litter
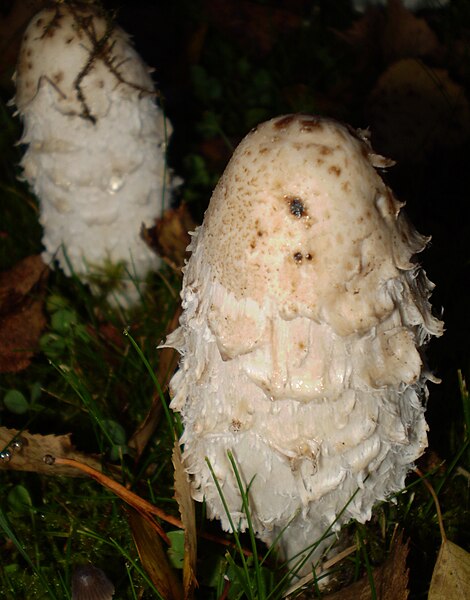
{"points": [[22, 319]]}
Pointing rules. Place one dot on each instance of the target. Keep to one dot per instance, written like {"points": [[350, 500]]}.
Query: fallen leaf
{"points": [[216, 152], [188, 517], [415, 111], [22, 319], [383, 36], [169, 237], [153, 556], [252, 25], [390, 579], [407, 36], [25, 452], [451, 575]]}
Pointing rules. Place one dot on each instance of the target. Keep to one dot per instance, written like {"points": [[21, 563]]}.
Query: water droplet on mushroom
{"points": [[115, 184], [91, 583]]}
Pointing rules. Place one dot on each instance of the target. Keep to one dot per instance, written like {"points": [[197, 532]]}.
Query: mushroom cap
{"points": [[301, 217], [82, 56]]}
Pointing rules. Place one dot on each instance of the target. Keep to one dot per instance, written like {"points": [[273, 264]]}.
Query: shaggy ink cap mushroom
{"points": [[305, 319], [95, 141]]}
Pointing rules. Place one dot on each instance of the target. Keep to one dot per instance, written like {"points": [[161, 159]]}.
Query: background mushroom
{"points": [[305, 317], [96, 143]]}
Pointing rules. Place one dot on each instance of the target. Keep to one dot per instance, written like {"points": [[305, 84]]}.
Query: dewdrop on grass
{"points": [[305, 318], [96, 142]]}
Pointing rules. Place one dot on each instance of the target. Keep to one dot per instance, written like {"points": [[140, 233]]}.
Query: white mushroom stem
{"points": [[96, 143], [305, 316]]}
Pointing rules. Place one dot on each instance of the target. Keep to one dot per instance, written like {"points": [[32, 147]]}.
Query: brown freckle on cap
{"points": [[325, 150], [29, 66], [298, 257], [263, 150], [334, 169], [301, 346], [320, 161], [284, 121], [29, 52], [235, 425], [58, 77], [25, 37], [100, 83], [39, 22], [69, 40], [253, 244], [310, 124], [259, 233], [346, 186]]}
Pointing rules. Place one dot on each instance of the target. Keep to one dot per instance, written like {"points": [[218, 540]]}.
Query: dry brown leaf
{"points": [[169, 236], [415, 111], [390, 579], [22, 320], [153, 556], [252, 25], [407, 36], [188, 518], [27, 451], [451, 575], [168, 359], [216, 152], [383, 36]]}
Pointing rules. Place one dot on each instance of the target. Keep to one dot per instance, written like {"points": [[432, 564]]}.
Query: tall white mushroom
{"points": [[96, 142], [305, 316]]}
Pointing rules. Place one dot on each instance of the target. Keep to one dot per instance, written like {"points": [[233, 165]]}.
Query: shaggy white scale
{"points": [[305, 317]]}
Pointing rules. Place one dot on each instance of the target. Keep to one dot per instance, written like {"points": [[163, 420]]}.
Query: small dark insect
{"points": [[298, 257], [297, 207], [90, 583]]}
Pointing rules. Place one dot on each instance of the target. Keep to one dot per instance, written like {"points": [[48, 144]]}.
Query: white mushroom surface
{"points": [[305, 316], [96, 142]]}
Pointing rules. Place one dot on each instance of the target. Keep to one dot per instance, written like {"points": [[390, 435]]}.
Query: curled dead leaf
{"points": [[188, 517], [22, 291], [153, 556], [407, 36], [383, 36], [415, 111], [451, 575], [169, 236], [25, 452], [390, 579], [254, 26]]}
